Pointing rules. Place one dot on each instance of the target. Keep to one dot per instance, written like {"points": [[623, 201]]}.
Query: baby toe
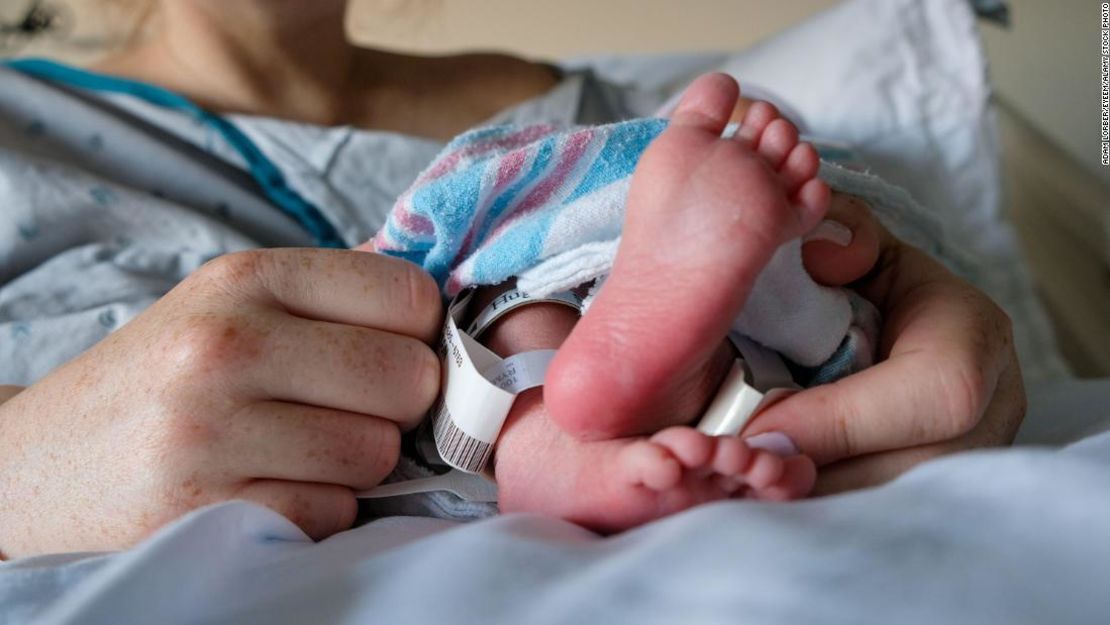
{"points": [[812, 199], [692, 448], [732, 456], [707, 103], [731, 485], [755, 122], [650, 465], [798, 477], [765, 469], [777, 141], [801, 165]]}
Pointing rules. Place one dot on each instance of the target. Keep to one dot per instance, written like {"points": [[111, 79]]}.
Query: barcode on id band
{"points": [[456, 447]]}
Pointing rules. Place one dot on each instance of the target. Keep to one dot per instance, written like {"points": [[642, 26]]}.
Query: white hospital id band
{"points": [[479, 387], [754, 375], [513, 298], [733, 405]]}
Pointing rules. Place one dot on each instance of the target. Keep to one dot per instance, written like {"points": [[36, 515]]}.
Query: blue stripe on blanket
{"points": [[513, 192], [618, 157], [449, 205]]}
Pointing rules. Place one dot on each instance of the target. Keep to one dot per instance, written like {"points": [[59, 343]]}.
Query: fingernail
{"points": [[774, 442], [832, 231]]}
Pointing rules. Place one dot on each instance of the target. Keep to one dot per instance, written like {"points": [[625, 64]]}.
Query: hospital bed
{"points": [[1002, 536]]}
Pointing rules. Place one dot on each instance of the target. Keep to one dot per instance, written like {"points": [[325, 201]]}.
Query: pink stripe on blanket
{"points": [[510, 168], [447, 163], [507, 172], [413, 223], [573, 149], [408, 222]]}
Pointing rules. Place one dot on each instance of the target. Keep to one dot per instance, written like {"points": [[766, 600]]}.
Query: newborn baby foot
{"points": [[611, 485], [704, 217]]}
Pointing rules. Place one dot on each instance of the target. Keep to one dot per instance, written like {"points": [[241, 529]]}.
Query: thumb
{"points": [[845, 245]]}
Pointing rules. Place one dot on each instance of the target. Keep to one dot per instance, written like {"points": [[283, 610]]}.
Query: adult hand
{"points": [[282, 377], [948, 377]]}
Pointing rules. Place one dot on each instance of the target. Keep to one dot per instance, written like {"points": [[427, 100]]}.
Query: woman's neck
{"points": [[286, 58], [291, 59]]}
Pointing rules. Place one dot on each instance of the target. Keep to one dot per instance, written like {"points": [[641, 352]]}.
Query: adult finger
{"points": [[283, 441], [341, 286], [997, 427], [320, 510], [348, 368], [845, 246], [945, 346]]}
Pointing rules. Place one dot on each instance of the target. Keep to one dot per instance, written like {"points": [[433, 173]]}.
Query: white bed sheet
{"points": [[996, 537]]}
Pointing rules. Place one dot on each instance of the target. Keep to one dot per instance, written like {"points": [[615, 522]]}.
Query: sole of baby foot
{"points": [[704, 216]]}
